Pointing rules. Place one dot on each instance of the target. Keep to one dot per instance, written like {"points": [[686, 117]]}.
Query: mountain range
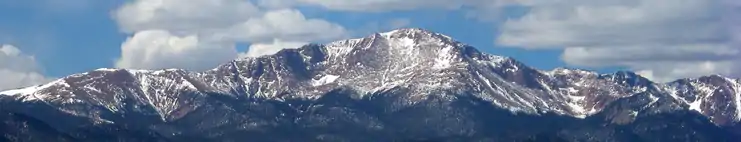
{"points": [[403, 85]]}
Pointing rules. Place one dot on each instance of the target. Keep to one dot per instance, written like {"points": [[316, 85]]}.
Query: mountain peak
{"points": [[408, 44]]}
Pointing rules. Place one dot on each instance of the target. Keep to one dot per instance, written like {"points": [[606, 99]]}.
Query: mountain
{"points": [[403, 85]]}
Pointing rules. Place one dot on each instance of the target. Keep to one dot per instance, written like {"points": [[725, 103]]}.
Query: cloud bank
{"points": [[209, 29], [159, 49], [661, 39]]}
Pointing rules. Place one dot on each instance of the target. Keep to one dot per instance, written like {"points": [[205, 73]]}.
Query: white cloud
{"points": [[14, 59], [189, 16], [261, 49], [624, 23], [658, 64], [670, 71], [630, 55], [734, 21], [17, 69], [200, 34], [662, 37], [396, 5], [157, 49], [277, 4], [284, 24]]}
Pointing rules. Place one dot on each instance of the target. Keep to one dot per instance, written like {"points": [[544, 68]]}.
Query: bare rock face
{"points": [[402, 85]]}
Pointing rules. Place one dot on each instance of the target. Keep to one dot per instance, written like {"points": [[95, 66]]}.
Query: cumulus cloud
{"points": [[285, 24], [277, 4], [662, 65], [199, 34], [183, 15], [17, 69], [625, 23], [158, 49], [661, 37], [670, 71], [261, 49], [629, 55], [392, 5]]}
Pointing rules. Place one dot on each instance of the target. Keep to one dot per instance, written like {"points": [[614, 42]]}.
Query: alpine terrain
{"points": [[403, 85]]}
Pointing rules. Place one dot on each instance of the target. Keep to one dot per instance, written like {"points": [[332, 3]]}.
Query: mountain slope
{"points": [[406, 84]]}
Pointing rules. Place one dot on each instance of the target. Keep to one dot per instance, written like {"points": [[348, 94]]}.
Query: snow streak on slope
{"points": [[325, 80]]}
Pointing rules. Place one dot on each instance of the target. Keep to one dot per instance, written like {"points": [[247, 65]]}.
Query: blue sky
{"points": [[63, 42], [641, 35]]}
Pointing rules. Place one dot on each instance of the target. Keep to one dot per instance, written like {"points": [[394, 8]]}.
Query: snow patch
{"points": [[106, 69], [633, 113], [575, 104], [22, 91], [388, 34], [30, 91], [137, 72], [444, 58], [696, 105], [653, 98], [405, 42], [573, 90], [341, 48], [577, 98], [327, 79], [497, 59]]}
